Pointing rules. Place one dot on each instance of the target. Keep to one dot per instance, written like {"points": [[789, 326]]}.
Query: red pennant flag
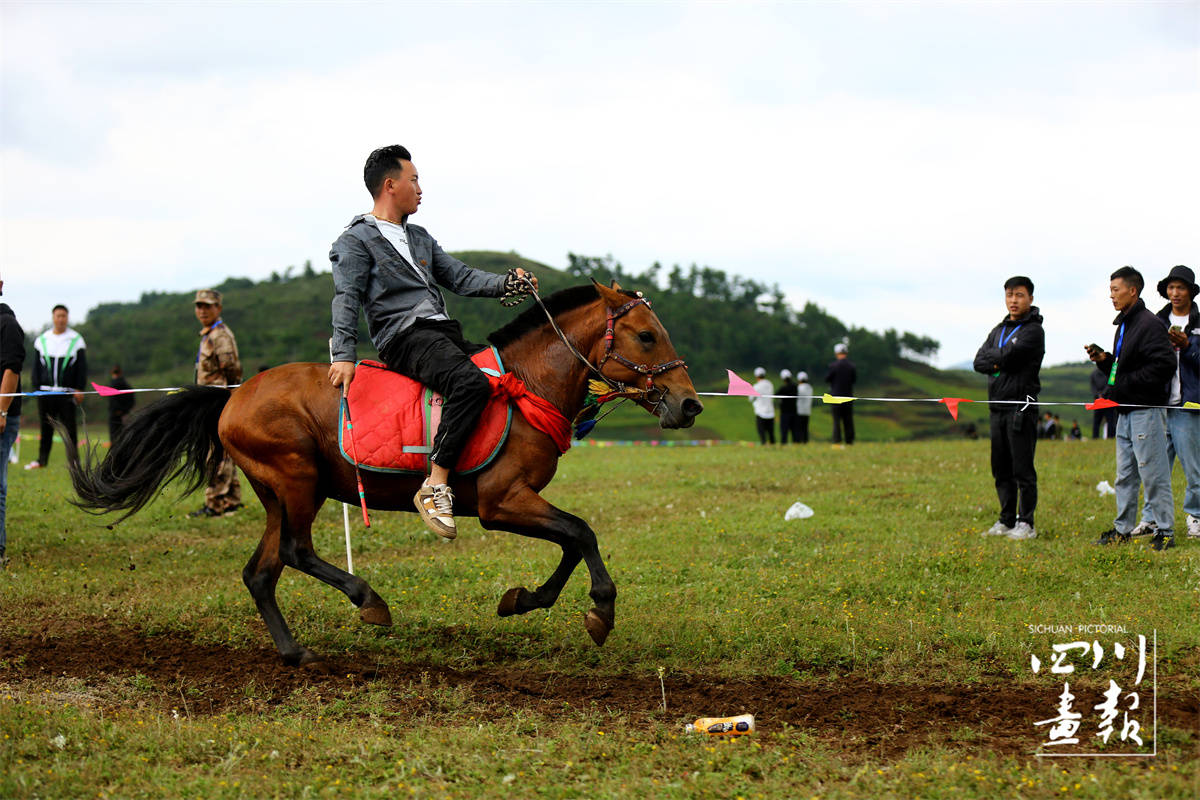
{"points": [[952, 405], [106, 391], [737, 386], [1100, 403]]}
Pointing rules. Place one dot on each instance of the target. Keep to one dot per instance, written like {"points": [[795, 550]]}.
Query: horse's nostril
{"points": [[692, 407]]}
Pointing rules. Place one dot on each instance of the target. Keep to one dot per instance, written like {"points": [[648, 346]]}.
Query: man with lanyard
{"points": [[1138, 373], [1011, 357], [388, 268], [1182, 320], [59, 366], [217, 364]]}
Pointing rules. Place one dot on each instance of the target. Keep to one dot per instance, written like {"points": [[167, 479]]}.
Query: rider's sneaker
{"points": [[999, 529], [33, 465], [1162, 541], [1143, 528], [1023, 530], [436, 504], [1193, 527], [1113, 536]]}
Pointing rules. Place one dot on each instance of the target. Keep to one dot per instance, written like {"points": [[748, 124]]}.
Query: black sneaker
{"points": [[203, 511], [1162, 541], [1113, 536]]}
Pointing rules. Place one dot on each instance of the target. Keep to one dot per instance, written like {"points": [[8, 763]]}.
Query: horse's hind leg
{"points": [[526, 513], [296, 551], [261, 574]]}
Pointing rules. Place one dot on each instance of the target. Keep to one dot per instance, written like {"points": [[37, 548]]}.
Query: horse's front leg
{"points": [[525, 512]]}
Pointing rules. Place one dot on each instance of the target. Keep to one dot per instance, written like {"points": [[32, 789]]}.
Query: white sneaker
{"points": [[1022, 530], [1143, 528], [999, 529], [33, 465], [1193, 527]]}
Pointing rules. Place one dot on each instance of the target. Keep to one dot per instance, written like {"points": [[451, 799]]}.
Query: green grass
{"points": [[888, 582]]}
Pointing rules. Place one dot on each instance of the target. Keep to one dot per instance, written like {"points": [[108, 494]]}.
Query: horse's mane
{"points": [[533, 318]]}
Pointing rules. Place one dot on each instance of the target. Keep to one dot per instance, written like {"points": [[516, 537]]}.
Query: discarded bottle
{"points": [[722, 726]]}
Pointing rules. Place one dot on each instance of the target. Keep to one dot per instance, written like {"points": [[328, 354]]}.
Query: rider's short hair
{"points": [[382, 163], [1019, 280]]}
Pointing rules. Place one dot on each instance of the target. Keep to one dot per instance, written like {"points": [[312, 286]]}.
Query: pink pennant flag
{"points": [[106, 391], [952, 405], [737, 386], [1099, 403]]}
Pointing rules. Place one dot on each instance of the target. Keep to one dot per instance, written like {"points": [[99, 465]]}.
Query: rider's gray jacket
{"points": [[369, 272]]}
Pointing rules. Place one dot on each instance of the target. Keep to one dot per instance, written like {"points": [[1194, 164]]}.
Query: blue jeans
{"points": [[6, 442], [1142, 459], [1183, 440]]}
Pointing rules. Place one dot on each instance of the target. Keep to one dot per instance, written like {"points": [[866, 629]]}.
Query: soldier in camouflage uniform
{"points": [[217, 364]]}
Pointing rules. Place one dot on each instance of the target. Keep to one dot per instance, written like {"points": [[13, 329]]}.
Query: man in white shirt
{"points": [[764, 407], [60, 366]]}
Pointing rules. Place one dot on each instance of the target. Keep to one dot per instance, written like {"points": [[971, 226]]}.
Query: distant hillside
{"points": [[716, 322]]}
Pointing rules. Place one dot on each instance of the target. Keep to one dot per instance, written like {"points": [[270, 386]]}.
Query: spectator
{"points": [[1139, 373], [217, 364], [1047, 429], [59, 365], [764, 407], [1182, 319], [1011, 357], [1075, 433], [1104, 420], [841, 378], [119, 405], [803, 406], [788, 424], [12, 361]]}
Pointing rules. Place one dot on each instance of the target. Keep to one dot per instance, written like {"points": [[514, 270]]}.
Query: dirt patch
{"points": [[863, 717]]}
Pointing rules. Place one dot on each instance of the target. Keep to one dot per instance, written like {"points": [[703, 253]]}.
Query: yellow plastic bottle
{"points": [[722, 726]]}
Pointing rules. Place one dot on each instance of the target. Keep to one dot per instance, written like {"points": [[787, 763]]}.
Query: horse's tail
{"points": [[171, 438]]}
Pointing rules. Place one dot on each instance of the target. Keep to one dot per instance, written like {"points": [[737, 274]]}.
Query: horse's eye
{"points": [[647, 337]]}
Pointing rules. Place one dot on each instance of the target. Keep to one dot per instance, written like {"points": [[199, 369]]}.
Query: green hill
{"points": [[716, 322]]}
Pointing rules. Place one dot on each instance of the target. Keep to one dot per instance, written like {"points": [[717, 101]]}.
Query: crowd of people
{"points": [[388, 268]]}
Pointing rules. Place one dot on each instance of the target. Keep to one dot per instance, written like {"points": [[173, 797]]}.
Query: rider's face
{"points": [[405, 189]]}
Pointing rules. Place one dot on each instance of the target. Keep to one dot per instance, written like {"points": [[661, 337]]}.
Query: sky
{"points": [[894, 163]]}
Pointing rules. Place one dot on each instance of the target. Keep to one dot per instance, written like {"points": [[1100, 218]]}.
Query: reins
{"points": [[610, 389]]}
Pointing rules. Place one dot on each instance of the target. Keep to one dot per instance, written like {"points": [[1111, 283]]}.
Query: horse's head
{"points": [[639, 353]]}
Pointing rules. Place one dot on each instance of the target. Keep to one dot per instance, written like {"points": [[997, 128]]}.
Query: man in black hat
{"points": [[1139, 372], [1182, 319]]}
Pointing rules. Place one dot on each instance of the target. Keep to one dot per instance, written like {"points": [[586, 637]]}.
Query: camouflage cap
{"points": [[209, 296]]}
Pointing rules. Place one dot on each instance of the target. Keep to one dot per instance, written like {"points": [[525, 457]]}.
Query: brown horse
{"points": [[281, 428]]}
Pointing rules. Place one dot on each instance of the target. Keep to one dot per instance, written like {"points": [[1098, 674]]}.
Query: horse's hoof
{"points": [[510, 600], [597, 627], [377, 614]]}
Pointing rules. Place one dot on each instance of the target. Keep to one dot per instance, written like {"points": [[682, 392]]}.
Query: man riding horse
{"points": [[388, 267]]}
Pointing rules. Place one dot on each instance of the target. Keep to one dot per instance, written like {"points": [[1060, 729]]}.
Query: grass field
{"points": [[882, 644]]}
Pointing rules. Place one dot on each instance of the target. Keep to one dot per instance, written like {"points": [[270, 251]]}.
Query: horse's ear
{"points": [[611, 296], [616, 287]]}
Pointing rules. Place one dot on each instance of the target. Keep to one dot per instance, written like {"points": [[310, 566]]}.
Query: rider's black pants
{"points": [[435, 353]]}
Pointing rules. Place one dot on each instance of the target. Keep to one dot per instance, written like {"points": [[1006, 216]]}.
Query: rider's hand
{"points": [[341, 373], [532, 278]]}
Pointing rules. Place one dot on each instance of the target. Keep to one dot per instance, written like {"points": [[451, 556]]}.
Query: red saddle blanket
{"points": [[393, 419]]}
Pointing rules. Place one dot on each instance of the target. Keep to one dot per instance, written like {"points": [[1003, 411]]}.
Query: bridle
{"points": [[610, 388]]}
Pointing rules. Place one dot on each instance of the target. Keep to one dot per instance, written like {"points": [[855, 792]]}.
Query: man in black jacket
{"points": [[841, 377], [1011, 357], [12, 359], [1139, 372]]}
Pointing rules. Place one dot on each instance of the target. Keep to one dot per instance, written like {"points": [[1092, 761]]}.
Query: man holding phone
{"points": [[1138, 374]]}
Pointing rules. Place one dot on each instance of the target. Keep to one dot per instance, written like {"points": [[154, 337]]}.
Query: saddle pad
{"points": [[395, 420]]}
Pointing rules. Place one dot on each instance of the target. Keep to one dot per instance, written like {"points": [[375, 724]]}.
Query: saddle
{"points": [[394, 419]]}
